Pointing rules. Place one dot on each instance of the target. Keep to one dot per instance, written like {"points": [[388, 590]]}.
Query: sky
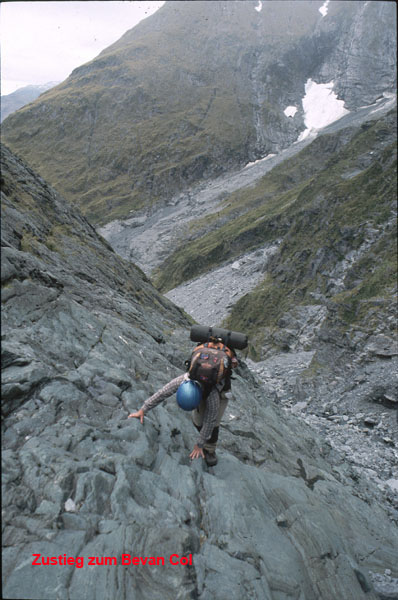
{"points": [[43, 42]]}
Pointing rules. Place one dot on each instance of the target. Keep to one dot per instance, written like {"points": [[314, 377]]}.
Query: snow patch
{"points": [[259, 7], [386, 100], [259, 160], [321, 107], [324, 8], [290, 111], [307, 133]]}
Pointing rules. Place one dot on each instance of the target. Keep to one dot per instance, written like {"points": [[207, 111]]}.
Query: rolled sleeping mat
{"points": [[232, 339]]}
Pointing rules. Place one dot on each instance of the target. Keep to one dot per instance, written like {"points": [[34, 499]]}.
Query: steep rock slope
{"points": [[196, 90], [85, 339]]}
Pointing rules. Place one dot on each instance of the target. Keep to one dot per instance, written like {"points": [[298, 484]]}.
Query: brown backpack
{"points": [[210, 363]]}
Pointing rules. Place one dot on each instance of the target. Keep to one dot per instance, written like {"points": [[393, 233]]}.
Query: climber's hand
{"points": [[196, 452], [138, 415]]}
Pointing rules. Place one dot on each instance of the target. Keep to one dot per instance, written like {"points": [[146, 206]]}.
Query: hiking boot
{"points": [[210, 458]]}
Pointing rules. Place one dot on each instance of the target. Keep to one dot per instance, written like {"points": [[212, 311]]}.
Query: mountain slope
{"points": [[340, 244], [351, 166], [12, 102], [55, 269], [86, 339], [195, 90]]}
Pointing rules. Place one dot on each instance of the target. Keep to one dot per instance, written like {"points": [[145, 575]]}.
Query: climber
{"points": [[202, 390]]}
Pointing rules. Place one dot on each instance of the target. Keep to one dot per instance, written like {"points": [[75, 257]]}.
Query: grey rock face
{"points": [[86, 340], [363, 75]]}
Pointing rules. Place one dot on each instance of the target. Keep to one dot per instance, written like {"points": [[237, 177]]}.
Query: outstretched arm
{"points": [[166, 391]]}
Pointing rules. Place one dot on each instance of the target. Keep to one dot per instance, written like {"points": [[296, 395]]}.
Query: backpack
{"points": [[210, 363]]}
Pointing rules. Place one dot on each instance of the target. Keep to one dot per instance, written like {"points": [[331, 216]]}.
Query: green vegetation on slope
{"points": [[336, 221], [171, 103], [273, 206], [346, 217]]}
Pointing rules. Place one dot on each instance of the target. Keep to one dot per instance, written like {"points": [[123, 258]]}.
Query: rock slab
{"points": [[86, 339]]}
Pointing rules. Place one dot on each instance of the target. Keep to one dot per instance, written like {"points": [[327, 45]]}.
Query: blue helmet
{"points": [[189, 395]]}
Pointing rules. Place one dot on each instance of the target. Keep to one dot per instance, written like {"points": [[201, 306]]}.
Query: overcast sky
{"points": [[45, 41]]}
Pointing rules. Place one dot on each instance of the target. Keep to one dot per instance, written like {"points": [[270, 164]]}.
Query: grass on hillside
{"points": [[162, 109], [320, 239], [269, 210], [326, 214]]}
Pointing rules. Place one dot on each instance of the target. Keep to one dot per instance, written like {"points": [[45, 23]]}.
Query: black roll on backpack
{"points": [[232, 339]]}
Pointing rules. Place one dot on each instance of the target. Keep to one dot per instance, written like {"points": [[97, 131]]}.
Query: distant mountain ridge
{"points": [[195, 90], [12, 102]]}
